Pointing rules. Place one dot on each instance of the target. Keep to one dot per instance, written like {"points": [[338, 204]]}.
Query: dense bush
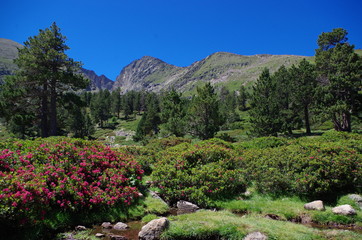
{"points": [[164, 143], [198, 173], [68, 175], [310, 167], [262, 142]]}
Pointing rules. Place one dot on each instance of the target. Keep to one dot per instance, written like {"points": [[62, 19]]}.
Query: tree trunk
{"points": [[44, 113], [306, 120], [342, 121], [53, 109]]}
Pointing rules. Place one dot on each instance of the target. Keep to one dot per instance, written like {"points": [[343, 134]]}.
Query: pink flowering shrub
{"points": [[65, 174]]}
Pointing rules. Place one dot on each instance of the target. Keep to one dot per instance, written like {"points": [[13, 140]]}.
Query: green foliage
{"points": [[198, 173], [173, 113], [308, 167], [339, 70], [264, 109], [205, 119], [36, 92], [262, 142], [164, 143]]}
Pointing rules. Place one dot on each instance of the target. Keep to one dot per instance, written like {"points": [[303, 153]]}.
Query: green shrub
{"points": [[312, 169], [164, 143], [262, 142], [198, 173]]}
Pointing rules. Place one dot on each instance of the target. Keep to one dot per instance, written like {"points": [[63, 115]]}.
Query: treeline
{"points": [[46, 96]]}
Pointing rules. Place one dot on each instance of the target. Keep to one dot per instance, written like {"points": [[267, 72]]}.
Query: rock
{"points": [[106, 225], [80, 228], [155, 195], [255, 236], [120, 226], [344, 210], [315, 205], [186, 207], [357, 198], [100, 235], [272, 216], [305, 219], [118, 237], [153, 229], [140, 194]]}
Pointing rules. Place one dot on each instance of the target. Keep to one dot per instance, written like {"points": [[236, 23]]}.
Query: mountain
{"points": [[221, 68], [97, 82], [9, 51]]}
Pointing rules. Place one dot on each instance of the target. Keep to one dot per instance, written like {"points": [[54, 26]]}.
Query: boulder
{"points": [[153, 229], [106, 225], [120, 226], [80, 228], [344, 210], [100, 235], [118, 237], [186, 207], [315, 205], [255, 236]]}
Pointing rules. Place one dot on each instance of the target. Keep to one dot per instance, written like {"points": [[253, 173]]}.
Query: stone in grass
{"points": [[255, 236], [357, 198], [100, 235], [120, 226], [106, 225], [80, 228], [153, 229], [186, 207], [315, 205], [346, 210]]}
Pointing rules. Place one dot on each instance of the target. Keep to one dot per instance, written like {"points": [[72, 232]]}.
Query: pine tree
{"points": [[339, 72], [242, 98], [205, 119], [304, 86], [45, 74], [264, 109], [173, 113]]}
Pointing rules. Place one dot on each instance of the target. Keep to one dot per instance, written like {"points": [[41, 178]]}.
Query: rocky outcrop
{"points": [[255, 236], [346, 210], [153, 229], [97, 82], [315, 205]]}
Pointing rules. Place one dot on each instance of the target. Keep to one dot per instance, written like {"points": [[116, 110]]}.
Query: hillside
{"points": [[97, 82], [8, 52], [221, 68]]}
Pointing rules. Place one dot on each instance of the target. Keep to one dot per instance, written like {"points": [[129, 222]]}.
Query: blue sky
{"points": [[106, 35]]}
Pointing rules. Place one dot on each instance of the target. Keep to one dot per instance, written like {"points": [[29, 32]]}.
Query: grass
{"points": [[225, 225], [289, 208], [155, 206]]}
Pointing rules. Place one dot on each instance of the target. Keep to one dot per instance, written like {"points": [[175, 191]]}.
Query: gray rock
{"points": [[186, 207], [344, 210], [120, 226], [100, 235], [255, 236], [106, 225], [357, 198], [156, 196], [153, 229], [315, 205], [80, 228]]}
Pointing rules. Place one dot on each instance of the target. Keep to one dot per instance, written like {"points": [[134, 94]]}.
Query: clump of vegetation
{"points": [[307, 167], [198, 173], [61, 177]]}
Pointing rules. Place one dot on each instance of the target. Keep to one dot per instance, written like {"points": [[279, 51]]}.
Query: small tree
{"points": [[205, 119], [242, 98], [339, 72]]}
